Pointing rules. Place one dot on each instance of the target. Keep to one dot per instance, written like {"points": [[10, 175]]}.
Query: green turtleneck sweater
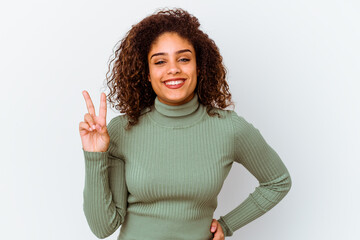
{"points": [[160, 180]]}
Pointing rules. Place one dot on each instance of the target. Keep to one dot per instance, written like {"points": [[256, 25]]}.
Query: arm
{"points": [[253, 152], [105, 192]]}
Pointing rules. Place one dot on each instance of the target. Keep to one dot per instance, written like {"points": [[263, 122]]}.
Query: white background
{"points": [[294, 72]]}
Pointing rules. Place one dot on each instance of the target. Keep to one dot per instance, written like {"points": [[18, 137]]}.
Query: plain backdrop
{"points": [[293, 70]]}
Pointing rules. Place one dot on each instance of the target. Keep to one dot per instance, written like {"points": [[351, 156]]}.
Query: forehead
{"points": [[170, 42]]}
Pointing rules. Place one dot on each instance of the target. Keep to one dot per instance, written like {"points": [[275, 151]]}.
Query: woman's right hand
{"points": [[97, 139]]}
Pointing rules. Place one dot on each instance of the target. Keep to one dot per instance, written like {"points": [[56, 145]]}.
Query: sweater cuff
{"points": [[227, 231], [94, 156]]}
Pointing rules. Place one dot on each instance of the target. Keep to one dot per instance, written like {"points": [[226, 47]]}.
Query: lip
{"points": [[174, 79], [175, 86]]}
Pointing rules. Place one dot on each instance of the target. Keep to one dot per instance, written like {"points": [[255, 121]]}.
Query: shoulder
{"points": [[241, 126], [121, 120], [232, 119], [219, 113], [117, 123], [228, 116], [238, 119], [232, 116], [235, 123]]}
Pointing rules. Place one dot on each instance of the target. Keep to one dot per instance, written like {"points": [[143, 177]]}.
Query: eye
{"points": [[159, 62], [184, 59]]}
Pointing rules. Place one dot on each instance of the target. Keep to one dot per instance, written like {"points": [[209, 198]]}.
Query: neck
{"points": [[180, 103], [177, 116]]}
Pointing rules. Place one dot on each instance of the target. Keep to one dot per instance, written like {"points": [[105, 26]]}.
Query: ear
{"points": [[149, 78]]}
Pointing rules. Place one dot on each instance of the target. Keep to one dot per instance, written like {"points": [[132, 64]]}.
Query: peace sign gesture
{"points": [[93, 131]]}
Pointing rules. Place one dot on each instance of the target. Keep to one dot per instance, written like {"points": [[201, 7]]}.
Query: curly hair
{"points": [[129, 88]]}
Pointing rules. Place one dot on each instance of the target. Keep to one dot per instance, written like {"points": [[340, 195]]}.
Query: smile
{"points": [[174, 84]]}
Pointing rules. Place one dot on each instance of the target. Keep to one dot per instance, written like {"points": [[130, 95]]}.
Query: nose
{"points": [[173, 68]]}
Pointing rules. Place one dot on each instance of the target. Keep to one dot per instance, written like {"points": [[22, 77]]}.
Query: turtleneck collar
{"points": [[178, 116]]}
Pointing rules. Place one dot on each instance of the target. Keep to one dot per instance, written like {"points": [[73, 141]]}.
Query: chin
{"points": [[172, 99]]}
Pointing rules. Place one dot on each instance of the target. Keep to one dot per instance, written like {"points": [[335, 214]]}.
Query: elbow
{"points": [[276, 189], [282, 188], [101, 236], [283, 185], [286, 183], [104, 226], [289, 184], [102, 231], [269, 194]]}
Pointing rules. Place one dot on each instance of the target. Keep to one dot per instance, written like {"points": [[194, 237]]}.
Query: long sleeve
{"points": [[253, 152], [105, 191]]}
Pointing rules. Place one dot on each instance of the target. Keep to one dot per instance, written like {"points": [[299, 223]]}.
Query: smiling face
{"points": [[172, 61]]}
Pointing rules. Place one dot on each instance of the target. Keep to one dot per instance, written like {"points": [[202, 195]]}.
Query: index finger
{"points": [[102, 113], [89, 104]]}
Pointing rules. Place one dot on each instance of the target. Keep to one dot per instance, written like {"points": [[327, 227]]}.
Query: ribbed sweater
{"points": [[160, 179]]}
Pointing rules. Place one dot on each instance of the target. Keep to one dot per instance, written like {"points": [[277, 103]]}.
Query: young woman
{"points": [[157, 169]]}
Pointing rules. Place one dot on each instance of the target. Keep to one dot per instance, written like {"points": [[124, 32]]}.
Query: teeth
{"points": [[174, 82]]}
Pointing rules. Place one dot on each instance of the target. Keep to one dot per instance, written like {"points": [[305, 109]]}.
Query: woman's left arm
{"points": [[252, 151]]}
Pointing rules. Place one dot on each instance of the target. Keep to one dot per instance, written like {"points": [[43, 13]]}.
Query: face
{"points": [[172, 69]]}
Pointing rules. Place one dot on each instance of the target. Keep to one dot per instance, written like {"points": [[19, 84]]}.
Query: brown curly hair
{"points": [[128, 83]]}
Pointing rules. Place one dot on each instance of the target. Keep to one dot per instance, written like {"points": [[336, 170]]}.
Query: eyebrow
{"points": [[177, 52]]}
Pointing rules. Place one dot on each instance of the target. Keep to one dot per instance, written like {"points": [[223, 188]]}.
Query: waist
{"points": [[141, 227]]}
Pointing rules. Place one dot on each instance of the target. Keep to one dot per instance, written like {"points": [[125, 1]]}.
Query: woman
{"points": [[157, 170]]}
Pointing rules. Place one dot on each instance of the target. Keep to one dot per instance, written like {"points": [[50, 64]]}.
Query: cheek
{"points": [[194, 72], [155, 73], [190, 69]]}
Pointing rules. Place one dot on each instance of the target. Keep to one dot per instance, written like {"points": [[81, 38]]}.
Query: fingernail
{"points": [[94, 127], [213, 228]]}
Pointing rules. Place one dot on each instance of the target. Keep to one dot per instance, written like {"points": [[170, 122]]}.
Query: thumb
{"points": [[101, 129]]}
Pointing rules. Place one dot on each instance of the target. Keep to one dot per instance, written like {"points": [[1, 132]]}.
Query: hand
{"points": [[97, 139], [217, 230]]}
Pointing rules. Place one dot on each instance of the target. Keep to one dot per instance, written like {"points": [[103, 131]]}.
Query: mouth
{"points": [[174, 79], [174, 83]]}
